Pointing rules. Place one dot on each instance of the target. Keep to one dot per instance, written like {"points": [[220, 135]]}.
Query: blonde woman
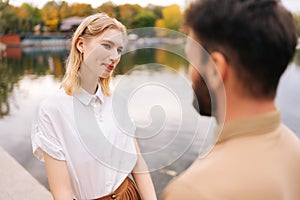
{"points": [[63, 121]]}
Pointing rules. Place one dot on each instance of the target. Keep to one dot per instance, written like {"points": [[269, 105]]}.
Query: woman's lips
{"points": [[109, 67]]}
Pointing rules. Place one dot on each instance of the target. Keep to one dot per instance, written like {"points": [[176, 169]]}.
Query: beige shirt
{"points": [[257, 158]]}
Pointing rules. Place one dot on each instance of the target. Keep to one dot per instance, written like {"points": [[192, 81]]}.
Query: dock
{"points": [[16, 183]]}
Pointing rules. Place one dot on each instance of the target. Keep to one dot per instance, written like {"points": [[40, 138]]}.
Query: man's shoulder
{"points": [[206, 178], [181, 188], [290, 139], [194, 183]]}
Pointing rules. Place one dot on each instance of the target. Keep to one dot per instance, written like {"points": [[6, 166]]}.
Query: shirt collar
{"points": [[259, 124], [86, 97]]}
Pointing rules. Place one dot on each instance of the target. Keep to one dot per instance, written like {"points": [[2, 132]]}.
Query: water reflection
{"points": [[150, 55], [40, 62], [19, 63]]}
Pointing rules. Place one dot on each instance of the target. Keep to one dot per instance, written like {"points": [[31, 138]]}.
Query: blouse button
{"points": [[113, 196]]}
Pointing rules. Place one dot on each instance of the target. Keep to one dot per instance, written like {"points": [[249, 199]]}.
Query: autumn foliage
{"points": [[24, 18]]}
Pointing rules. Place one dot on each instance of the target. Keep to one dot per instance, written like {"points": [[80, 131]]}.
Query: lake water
{"points": [[28, 75]]}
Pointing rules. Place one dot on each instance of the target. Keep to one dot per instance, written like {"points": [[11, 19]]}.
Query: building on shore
{"points": [[70, 24]]}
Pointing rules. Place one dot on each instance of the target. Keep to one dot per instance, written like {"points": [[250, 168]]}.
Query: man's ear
{"points": [[218, 69], [79, 44]]}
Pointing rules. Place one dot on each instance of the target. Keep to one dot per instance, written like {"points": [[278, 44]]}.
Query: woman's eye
{"points": [[120, 51], [107, 46]]}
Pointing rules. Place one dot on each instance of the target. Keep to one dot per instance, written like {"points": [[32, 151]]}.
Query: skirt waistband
{"points": [[126, 191]]}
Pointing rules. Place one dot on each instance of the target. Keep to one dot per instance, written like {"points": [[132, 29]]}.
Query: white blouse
{"points": [[82, 130]]}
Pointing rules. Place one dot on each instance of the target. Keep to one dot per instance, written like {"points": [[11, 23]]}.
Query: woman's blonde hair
{"points": [[90, 27]]}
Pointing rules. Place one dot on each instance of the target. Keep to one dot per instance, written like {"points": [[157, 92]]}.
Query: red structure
{"points": [[11, 40]]}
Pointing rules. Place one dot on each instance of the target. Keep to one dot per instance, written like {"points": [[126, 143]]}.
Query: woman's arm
{"points": [[142, 178], [58, 177]]}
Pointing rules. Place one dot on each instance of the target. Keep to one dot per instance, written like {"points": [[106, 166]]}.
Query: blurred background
{"points": [[34, 44]]}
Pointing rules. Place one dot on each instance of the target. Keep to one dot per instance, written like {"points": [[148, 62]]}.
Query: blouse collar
{"points": [[86, 97]]}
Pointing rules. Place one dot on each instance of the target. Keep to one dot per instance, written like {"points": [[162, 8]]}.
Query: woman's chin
{"points": [[104, 75]]}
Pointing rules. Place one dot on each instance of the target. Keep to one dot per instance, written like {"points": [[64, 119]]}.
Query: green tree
{"points": [[144, 19], [29, 16], [65, 10], [157, 10], [109, 8], [127, 13], [9, 20], [35, 16], [81, 9], [3, 4], [172, 17], [50, 15]]}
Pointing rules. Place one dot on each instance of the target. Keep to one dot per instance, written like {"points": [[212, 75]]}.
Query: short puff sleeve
{"points": [[43, 136]]}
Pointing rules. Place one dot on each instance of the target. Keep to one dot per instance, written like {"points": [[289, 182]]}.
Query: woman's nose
{"points": [[114, 55]]}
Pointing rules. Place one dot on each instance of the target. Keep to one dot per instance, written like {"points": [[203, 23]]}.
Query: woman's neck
{"points": [[88, 82], [89, 87]]}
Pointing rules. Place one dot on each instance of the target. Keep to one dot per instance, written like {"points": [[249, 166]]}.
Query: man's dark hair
{"points": [[257, 37]]}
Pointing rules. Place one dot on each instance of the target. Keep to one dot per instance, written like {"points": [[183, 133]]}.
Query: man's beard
{"points": [[204, 102]]}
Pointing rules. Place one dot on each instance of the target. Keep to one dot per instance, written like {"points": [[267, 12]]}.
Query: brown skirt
{"points": [[126, 191]]}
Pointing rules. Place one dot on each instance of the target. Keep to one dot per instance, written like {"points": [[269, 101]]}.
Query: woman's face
{"points": [[101, 53]]}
